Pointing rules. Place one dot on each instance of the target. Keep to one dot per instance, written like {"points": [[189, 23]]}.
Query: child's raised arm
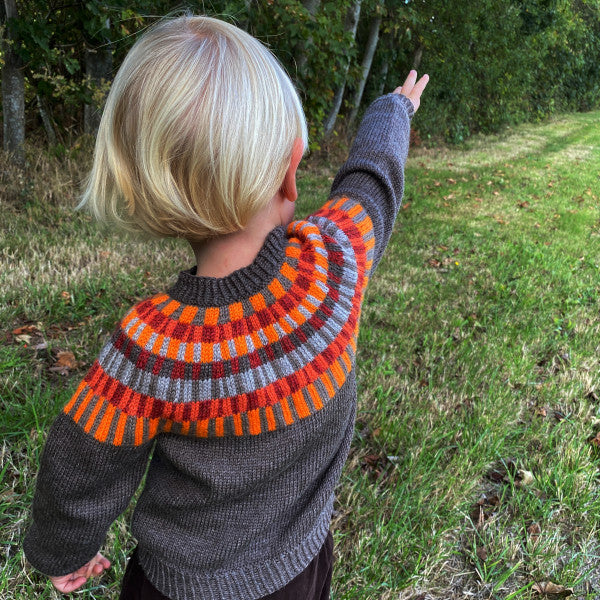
{"points": [[373, 175]]}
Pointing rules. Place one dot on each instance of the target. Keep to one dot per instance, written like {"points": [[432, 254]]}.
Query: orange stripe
{"points": [[173, 349], [328, 386], [139, 432], [144, 336], [185, 428], [355, 210], [276, 289], [347, 362], [292, 252], [152, 428], [206, 352], [236, 311], [104, 428], [132, 331], [338, 374], [315, 397], [158, 344], [189, 353], [159, 299], [241, 347], [92, 419], [254, 421], [237, 425], [219, 427], [271, 334], [188, 314], [257, 301], [287, 414], [83, 406], [170, 308], [118, 441], [301, 409], [202, 428], [211, 316], [167, 426], [271, 423], [225, 354]]}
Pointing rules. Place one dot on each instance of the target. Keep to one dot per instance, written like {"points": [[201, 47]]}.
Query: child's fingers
{"points": [[105, 562], [409, 83], [419, 87], [68, 583], [73, 584]]}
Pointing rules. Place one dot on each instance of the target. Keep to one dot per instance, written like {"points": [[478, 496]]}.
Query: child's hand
{"points": [[412, 88], [73, 581]]}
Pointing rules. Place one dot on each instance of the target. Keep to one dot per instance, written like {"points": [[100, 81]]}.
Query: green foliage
{"points": [[491, 62]]}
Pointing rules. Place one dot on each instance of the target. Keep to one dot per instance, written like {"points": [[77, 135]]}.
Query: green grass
{"points": [[478, 362]]}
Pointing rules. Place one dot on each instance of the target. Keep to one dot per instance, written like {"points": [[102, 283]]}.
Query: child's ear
{"points": [[288, 187]]}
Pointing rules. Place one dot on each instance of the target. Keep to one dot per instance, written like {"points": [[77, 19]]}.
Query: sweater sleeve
{"points": [[83, 485], [373, 175]]}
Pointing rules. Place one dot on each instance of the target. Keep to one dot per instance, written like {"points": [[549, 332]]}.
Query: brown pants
{"points": [[312, 584]]}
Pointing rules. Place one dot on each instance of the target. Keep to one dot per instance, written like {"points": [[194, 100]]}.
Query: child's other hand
{"points": [[73, 581], [413, 89]]}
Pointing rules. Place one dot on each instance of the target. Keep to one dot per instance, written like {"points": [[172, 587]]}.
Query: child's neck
{"points": [[222, 256]]}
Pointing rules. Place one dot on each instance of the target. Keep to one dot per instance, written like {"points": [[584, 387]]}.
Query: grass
{"points": [[472, 472]]}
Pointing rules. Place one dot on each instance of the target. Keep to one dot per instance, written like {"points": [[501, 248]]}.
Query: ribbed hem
{"points": [[243, 283], [248, 583]]}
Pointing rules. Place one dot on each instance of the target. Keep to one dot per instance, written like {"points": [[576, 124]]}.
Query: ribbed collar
{"points": [[243, 283]]}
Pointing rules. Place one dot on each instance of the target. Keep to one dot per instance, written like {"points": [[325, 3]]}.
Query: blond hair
{"points": [[196, 134]]}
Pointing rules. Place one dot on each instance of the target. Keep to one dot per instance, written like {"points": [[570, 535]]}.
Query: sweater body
{"points": [[243, 392]]}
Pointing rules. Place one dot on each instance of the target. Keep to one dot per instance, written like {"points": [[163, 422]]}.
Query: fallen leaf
{"points": [[27, 330], [66, 359], [552, 590], [523, 204], [23, 338], [481, 553], [596, 440], [451, 181], [534, 531]]}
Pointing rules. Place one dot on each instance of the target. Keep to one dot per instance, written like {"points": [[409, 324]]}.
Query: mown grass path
{"points": [[474, 471]]}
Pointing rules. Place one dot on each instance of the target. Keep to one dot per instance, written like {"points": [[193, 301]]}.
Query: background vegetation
{"points": [[492, 62]]}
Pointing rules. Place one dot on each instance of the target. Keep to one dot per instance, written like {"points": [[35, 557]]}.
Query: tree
{"points": [[366, 61], [13, 87], [351, 24], [311, 6]]}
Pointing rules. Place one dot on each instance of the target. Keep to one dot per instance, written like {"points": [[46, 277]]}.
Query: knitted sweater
{"points": [[243, 391]]}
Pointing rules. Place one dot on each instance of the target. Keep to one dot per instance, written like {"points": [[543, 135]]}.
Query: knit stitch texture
{"points": [[243, 391]]}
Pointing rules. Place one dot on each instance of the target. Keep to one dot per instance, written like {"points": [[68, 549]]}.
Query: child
{"points": [[240, 380]]}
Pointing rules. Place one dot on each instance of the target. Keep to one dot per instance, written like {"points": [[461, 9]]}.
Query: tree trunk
{"points": [[351, 25], [13, 91], [312, 6], [98, 67], [46, 120], [366, 64], [387, 50], [417, 57]]}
